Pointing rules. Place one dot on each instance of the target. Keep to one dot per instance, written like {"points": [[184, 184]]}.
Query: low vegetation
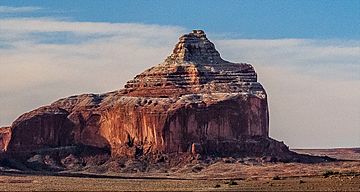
{"points": [[328, 173], [231, 182], [276, 178]]}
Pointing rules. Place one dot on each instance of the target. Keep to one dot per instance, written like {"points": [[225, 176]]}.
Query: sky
{"points": [[306, 54]]}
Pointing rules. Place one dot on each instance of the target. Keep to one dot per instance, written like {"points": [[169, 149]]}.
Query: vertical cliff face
{"points": [[193, 98]]}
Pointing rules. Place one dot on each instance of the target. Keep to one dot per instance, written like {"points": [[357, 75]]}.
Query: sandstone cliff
{"points": [[194, 99], [5, 135]]}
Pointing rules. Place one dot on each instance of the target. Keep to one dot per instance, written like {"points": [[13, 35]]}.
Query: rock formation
{"points": [[5, 135], [192, 102]]}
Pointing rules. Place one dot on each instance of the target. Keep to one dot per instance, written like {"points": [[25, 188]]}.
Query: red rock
{"points": [[196, 148], [194, 96], [5, 135]]}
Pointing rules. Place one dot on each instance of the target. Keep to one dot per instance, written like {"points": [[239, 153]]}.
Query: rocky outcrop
{"points": [[5, 135], [193, 98]]}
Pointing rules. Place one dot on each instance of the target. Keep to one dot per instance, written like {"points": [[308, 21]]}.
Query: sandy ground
{"points": [[344, 176], [53, 183], [220, 176]]}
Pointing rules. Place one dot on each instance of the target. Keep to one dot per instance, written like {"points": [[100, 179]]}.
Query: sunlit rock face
{"points": [[193, 98], [5, 135]]}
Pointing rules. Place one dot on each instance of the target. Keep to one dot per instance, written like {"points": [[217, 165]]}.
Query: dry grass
{"points": [[266, 170], [56, 183], [248, 175], [53, 183]]}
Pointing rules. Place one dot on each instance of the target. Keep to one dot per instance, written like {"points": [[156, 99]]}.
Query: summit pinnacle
{"points": [[195, 47]]}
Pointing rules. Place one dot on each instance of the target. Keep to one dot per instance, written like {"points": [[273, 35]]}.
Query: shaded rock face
{"points": [[194, 96]]}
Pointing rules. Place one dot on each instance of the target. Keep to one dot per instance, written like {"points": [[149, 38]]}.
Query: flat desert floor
{"points": [[220, 176], [58, 183]]}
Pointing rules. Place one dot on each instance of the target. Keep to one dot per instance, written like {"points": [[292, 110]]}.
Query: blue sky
{"points": [[306, 54], [336, 19]]}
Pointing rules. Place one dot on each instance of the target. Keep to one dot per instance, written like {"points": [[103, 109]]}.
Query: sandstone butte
{"points": [[192, 102]]}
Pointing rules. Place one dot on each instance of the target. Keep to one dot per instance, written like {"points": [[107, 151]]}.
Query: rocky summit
{"points": [[194, 102]]}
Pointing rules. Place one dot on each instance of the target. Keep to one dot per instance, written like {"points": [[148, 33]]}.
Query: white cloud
{"points": [[7, 9], [31, 25], [313, 85]]}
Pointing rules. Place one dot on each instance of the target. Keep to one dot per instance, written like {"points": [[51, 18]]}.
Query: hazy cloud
{"points": [[7, 9], [313, 85]]}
